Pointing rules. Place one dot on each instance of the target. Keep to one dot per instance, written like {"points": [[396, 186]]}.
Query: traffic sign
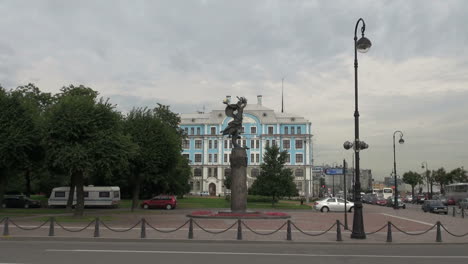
{"points": [[334, 171]]}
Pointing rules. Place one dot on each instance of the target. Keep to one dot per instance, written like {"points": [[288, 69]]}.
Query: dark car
{"points": [[161, 201], [391, 202], [19, 201], [434, 206], [381, 201]]}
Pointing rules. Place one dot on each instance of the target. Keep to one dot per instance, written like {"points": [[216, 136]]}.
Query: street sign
{"points": [[335, 171]]}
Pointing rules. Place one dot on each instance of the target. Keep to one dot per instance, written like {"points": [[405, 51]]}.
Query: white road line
{"points": [[253, 254], [408, 219]]}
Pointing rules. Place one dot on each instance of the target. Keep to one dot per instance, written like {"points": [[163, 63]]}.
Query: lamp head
{"points": [[401, 141], [363, 44], [363, 145], [347, 145]]}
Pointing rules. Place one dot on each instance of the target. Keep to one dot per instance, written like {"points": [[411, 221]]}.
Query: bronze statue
{"points": [[234, 128]]}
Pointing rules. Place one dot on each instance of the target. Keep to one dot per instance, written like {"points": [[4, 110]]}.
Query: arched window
{"points": [[227, 172], [299, 173], [255, 173], [197, 172]]}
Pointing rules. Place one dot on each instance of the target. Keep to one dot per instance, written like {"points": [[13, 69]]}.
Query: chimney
{"points": [[228, 98], [259, 99]]}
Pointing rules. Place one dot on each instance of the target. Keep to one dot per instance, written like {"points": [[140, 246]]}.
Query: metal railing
{"points": [[53, 224]]}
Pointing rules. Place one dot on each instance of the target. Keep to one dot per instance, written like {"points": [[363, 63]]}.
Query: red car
{"points": [[451, 201], [382, 202], [161, 201]]}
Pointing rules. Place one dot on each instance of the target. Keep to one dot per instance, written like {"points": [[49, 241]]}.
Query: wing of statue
{"points": [[230, 111]]}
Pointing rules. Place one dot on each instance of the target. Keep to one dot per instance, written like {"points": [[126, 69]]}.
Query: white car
{"points": [[333, 204], [204, 193]]}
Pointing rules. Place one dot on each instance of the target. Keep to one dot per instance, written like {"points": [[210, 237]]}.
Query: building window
{"points": [[299, 158], [299, 173], [288, 158], [186, 130], [298, 144], [252, 144], [185, 144], [198, 131], [273, 142], [213, 130], [197, 172], [198, 144], [210, 158], [253, 130], [299, 186], [292, 131], [257, 143], [258, 157], [215, 158], [252, 158], [225, 144], [198, 185], [197, 157], [192, 131], [215, 143], [187, 156], [270, 130], [210, 144], [227, 172], [209, 172], [243, 130], [286, 144], [299, 130], [286, 130], [267, 143], [255, 173], [215, 172], [230, 143], [244, 143], [225, 158]]}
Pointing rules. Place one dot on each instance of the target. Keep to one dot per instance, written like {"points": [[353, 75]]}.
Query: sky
{"points": [[191, 54]]}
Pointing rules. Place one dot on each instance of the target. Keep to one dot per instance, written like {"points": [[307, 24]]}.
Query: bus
{"points": [[387, 192], [104, 196], [456, 191]]}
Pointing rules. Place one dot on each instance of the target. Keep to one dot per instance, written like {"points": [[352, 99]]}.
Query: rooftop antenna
{"points": [[282, 97]]}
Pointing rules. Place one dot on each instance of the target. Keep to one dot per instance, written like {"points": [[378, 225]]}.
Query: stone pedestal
{"points": [[238, 180]]}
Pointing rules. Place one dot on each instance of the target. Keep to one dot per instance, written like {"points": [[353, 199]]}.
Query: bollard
{"points": [[463, 212], [239, 229], [96, 227], [6, 232], [453, 211], [143, 228], [190, 229], [51, 227], [389, 232], [338, 231], [439, 233], [289, 235]]}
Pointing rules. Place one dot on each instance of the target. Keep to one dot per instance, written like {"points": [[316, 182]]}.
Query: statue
{"points": [[234, 128]]}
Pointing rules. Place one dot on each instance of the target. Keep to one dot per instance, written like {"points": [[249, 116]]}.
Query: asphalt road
{"points": [[197, 252]]}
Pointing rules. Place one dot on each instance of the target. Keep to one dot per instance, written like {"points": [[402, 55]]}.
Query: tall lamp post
{"points": [[361, 45], [401, 141], [427, 174], [334, 165]]}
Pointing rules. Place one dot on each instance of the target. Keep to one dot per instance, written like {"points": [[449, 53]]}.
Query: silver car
{"points": [[333, 204]]}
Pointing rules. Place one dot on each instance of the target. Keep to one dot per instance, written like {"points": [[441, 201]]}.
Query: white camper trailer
{"points": [[102, 196]]}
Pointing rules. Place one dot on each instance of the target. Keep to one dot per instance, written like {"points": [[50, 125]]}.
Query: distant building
{"points": [[209, 152]]}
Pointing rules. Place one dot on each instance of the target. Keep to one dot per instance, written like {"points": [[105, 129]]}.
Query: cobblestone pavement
{"points": [[411, 220]]}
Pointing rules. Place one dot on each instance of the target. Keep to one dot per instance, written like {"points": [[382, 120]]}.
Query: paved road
{"points": [[51, 252]]}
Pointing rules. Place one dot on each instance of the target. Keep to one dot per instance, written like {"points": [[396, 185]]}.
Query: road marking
{"points": [[250, 254], [408, 219]]}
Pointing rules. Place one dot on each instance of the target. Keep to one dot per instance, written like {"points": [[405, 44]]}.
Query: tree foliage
{"points": [[413, 179], [274, 180]]}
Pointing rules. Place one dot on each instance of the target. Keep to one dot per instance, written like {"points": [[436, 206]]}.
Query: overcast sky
{"points": [[191, 54]]}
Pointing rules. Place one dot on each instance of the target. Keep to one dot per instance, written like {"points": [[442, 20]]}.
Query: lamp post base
{"points": [[358, 222]]}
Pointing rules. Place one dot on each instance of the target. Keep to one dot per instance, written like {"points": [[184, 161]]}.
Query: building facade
{"points": [[209, 151]]}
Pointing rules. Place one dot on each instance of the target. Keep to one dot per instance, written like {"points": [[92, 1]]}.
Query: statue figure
{"points": [[234, 128]]}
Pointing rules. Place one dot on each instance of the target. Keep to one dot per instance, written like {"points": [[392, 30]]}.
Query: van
{"points": [[94, 196]]}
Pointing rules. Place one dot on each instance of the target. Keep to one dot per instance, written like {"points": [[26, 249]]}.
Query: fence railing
{"points": [[143, 225]]}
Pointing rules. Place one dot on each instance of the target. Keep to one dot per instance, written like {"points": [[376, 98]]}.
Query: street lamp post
{"points": [[401, 141], [427, 175], [334, 165], [361, 45]]}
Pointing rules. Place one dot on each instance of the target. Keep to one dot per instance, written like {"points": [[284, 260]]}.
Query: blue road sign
{"points": [[334, 171]]}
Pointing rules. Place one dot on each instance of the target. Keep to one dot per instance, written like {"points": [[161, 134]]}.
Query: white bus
{"points": [[456, 191], [103, 196], [387, 192]]}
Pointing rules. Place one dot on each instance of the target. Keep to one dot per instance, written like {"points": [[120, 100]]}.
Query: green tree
{"points": [[442, 178], [84, 135], [17, 136], [274, 180], [34, 102], [158, 154], [413, 179], [458, 175]]}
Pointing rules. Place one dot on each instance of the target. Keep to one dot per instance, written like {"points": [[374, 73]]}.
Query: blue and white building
{"points": [[209, 152]]}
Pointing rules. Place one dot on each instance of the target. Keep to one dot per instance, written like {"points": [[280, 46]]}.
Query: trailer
{"points": [[94, 196]]}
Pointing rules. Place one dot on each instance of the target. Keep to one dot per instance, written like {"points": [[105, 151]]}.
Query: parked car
{"points": [[463, 203], [391, 202], [204, 193], [333, 204], [451, 201], [408, 199], [161, 201], [420, 198], [19, 201], [434, 206]]}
